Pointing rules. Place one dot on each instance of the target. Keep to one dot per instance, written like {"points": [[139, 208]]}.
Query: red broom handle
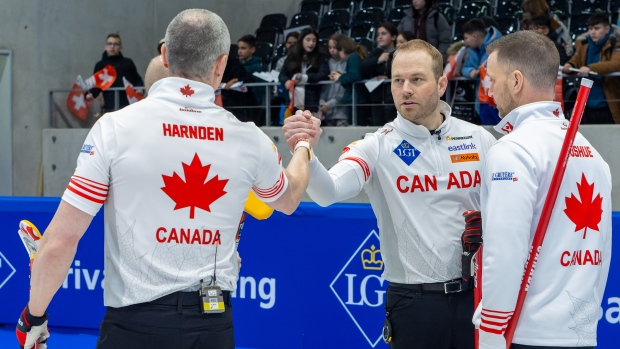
{"points": [[554, 188]]}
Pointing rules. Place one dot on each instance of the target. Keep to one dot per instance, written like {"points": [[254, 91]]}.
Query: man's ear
{"points": [[518, 81], [218, 71], [164, 55], [442, 84], [253, 49]]}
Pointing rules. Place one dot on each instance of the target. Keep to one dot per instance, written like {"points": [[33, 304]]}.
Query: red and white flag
{"points": [[76, 103], [132, 95], [102, 79]]}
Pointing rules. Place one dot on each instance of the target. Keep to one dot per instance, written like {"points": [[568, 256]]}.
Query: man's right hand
{"points": [[474, 74], [31, 331], [89, 96], [566, 68], [301, 125]]}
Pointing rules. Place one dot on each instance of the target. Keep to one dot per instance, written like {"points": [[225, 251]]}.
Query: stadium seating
{"points": [[578, 24], [508, 24], [363, 30], [264, 50], [268, 34], [342, 5], [373, 15], [474, 9], [396, 14], [380, 4], [401, 3], [340, 17], [305, 18], [311, 6], [587, 6], [276, 20], [448, 11], [507, 8], [366, 43]]}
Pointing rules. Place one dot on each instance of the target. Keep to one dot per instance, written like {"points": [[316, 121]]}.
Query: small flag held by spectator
{"points": [[102, 79], [132, 95], [76, 103]]}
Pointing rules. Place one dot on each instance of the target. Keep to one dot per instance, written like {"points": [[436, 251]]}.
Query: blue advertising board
{"points": [[309, 280]]}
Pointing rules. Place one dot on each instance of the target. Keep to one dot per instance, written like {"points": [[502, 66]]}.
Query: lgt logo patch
{"points": [[360, 288], [407, 152]]}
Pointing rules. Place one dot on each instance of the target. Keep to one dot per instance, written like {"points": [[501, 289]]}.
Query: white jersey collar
{"points": [[531, 111], [184, 92], [420, 131]]}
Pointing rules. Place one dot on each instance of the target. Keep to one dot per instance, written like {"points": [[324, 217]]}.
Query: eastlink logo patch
{"points": [[407, 152], [88, 149], [459, 138], [464, 146], [504, 176]]}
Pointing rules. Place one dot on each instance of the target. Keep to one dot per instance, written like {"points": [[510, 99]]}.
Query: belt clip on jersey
{"points": [[211, 297]]}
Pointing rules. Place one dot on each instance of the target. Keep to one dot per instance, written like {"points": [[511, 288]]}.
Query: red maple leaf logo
{"points": [[187, 91], [194, 192], [587, 212], [508, 127], [557, 113]]}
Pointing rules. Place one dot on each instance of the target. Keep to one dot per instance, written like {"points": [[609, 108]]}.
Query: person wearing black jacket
{"points": [[542, 25], [378, 64], [241, 104], [124, 68], [306, 64]]}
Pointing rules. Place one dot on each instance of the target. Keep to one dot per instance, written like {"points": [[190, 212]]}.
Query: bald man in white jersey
{"points": [[173, 172], [564, 295]]}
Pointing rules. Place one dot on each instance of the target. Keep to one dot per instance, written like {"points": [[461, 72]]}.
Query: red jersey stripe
{"points": [[491, 330], [362, 164], [104, 186], [97, 201], [275, 190], [77, 184], [275, 187]]}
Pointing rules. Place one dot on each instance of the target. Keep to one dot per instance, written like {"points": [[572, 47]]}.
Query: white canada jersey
{"points": [[562, 306], [173, 171], [419, 185]]}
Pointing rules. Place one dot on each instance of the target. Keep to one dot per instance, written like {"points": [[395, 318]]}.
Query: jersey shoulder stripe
{"points": [[362, 164], [273, 191]]}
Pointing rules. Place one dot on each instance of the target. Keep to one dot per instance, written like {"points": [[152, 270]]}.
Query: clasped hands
{"points": [[302, 125]]}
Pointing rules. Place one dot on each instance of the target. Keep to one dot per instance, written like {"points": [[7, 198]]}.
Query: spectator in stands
{"points": [[535, 8], [240, 104], [353, 54], [378, 65], [403, 37], [477, 38], [246, 47], [428, 24], [330, 112], [291, 38], [124, 68], [306, 64], [542, 25], [597, 51]]}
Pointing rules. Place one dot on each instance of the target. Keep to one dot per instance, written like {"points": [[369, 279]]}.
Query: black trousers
{"points": [[521, 346], [597, 116], [430, 320], [173, 321]]}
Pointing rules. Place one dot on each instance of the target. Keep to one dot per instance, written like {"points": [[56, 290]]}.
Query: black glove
{"points": [[471, 241], [32, 330]]}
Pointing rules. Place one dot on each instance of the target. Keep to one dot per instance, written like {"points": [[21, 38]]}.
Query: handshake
{"points": [[301, 126]]}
